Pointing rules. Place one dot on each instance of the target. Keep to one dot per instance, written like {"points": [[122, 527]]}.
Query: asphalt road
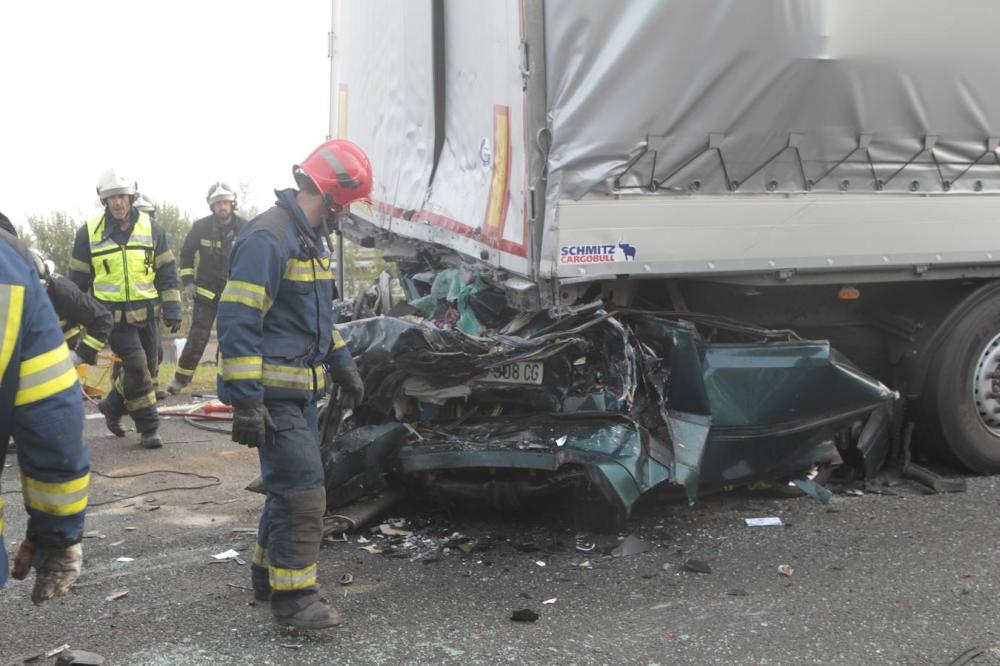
{"points": [[878, 579]]}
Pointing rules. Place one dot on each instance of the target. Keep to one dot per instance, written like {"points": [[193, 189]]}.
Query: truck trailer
{"points": [[824, 167]]}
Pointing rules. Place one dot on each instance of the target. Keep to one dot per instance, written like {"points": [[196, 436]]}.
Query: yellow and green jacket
{"points": [[132, 272], [41, 408]]}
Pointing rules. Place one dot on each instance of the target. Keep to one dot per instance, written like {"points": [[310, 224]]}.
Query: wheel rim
{"points": [[986, 386]]}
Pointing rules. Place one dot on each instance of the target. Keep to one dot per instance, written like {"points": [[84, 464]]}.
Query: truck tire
{"points": [[963, 391]]}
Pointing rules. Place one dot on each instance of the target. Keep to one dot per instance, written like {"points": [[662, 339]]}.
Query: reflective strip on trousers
{"points": [[11, 306], [69, 333], [287, 376], [207, 243], [285, 580], [141, 402], [184, 372], [205, 292], [45, 375], [185, 272], [58, 499], [259, 556]]}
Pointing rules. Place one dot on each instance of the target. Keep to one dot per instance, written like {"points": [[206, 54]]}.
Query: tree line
{"points": [[53, 236]]}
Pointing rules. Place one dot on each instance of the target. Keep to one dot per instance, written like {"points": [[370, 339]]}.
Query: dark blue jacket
{"points": [[41, 407], [275, 319]]}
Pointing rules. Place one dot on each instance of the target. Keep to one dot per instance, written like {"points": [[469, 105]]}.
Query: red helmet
{"points": [[340, 170]]}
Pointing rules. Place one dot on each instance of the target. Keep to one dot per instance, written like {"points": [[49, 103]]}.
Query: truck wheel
{"points": [[964, 389]]}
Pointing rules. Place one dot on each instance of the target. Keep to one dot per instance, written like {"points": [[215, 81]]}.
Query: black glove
{"points": [[352, 389], [251, 423], [173, 325]]}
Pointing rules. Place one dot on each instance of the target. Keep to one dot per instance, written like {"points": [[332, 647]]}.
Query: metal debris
{"points": [[346, 579], [116, 595], [786, 569], [697, 566], [524, 615]]}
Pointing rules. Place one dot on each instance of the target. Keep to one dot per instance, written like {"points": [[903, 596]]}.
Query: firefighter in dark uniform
{"points": [[276, 345], [85, 323], [40, 408], [211, 238], [123, 256]]}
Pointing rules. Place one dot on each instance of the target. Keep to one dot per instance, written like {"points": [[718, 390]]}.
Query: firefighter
{"points": [[211, 238], [85, 323], [275, 337], [40, 408], [124, 257]]}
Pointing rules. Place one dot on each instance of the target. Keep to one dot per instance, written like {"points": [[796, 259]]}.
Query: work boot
{"points": [[161, 395], [175, 386], [111, 420], [316, 615], [150, 440], [260, 582]]}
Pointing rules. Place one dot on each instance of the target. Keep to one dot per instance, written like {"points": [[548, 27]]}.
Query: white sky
{"points": [[174, 95]]}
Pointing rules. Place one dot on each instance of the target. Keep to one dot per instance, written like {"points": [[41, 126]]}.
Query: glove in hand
{"points": [[352, 388], [250, 425]]}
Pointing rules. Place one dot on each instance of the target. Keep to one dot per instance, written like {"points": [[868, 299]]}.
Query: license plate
{"points": [[520, 372]]}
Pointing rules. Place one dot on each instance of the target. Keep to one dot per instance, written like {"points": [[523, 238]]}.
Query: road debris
{"points": [[93, 534], [125, 559], [631, 545], [769, 521], [786, 569], [116, 595], [79, 658], [738, 592], [227, 555], [549, 602], [697, 566], [540, 563], [524, 615], [46, 655], [346, 579], [291, 646]]}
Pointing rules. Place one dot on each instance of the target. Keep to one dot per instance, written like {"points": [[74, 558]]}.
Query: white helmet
{"points": [[44, 266], [144, 204], [219, 191], [111, 184]]}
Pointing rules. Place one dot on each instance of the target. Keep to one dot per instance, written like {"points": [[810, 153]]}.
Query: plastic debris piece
{"points": [[93, 534], [227, 555], [468, 546], [79, 658], [346, 579], [540, 563], [389, 530], [631, 545], [240, 561], [125, 559], [585, 565], [549, 602], [523, 615], [131, 529], [561, 441], [118, 543], [291, 646], [769, 521], [374, 550], [116, 595], [697, 566], [786, 569]]}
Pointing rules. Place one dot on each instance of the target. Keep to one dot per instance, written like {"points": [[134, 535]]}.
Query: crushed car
{"points": [[472, 402]]}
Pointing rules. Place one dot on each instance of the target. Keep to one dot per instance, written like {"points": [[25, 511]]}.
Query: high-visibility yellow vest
{"points": [[127, 272]]}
